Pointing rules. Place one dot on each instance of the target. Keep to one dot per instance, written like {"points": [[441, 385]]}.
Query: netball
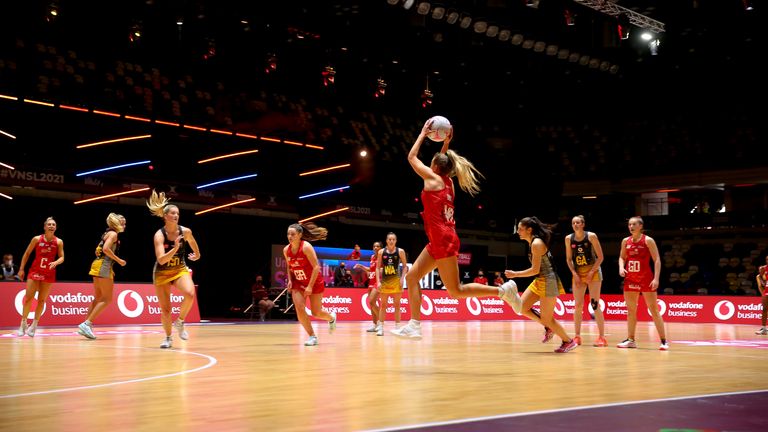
{"points": [[440, 128]]}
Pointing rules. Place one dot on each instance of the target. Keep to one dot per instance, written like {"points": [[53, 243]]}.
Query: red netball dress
{"points": [[300, 271], [46, 252], [438, 221]]}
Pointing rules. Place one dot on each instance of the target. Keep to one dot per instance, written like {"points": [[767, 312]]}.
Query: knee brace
{"points": [[595, 303]]}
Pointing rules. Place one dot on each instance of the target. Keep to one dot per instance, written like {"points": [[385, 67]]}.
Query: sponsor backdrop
{"points": [[68, 304], [352, 304], [137, 304]]}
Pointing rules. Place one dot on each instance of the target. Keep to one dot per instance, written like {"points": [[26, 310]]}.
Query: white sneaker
{"points": [[627, 343], [85, 330], [31, 330], [22, 328], [380, 331], [407, 331], [511, 296], [167, 342], [312, 341], [332, 322], [179, 326], [762, 331], [664, 346], [372, 329]]}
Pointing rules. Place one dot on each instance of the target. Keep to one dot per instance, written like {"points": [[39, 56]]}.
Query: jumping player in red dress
{"points": [[304, 276], [49, 253], [637, 251], [373, 291], [443, 248]]}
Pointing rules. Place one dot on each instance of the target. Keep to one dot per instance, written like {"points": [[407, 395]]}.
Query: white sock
{"points": [[415, 323]]}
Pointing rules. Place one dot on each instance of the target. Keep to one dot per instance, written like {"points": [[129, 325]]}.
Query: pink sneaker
{"points": [[548, 334], [601, 342], [578, 340], [567, 346]]}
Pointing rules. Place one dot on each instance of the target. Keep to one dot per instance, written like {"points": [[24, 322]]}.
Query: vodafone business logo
{"points": [[429, 307], [592, 310], [662, 306], [19, 303], [731, 309], [364, 301], [473, 305], [125, 310], [559, 308]]}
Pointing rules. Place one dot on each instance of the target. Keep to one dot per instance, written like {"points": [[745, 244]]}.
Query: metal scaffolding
{"points": [[609, 8]]}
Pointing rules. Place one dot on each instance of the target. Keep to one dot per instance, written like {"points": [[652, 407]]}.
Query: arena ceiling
{"points": [[534, 70]]}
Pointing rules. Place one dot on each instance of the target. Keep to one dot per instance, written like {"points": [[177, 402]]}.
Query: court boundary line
{"points": [[212, 361], [558, 410]]}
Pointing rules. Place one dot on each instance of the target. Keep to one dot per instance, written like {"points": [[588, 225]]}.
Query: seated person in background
{"points": [[339, 274], [481, 279], [9, 269], [497, 280], [261, 298], [347, 282]]}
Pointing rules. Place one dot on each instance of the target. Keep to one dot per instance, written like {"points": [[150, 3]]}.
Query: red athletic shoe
{"points": [[548, 334], [567, 346]]}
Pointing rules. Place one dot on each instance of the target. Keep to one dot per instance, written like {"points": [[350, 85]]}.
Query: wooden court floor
{"points": [[261, 377]]}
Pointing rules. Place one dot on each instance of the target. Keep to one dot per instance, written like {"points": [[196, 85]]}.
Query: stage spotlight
{"points": [[136, 32], [52, 12]]}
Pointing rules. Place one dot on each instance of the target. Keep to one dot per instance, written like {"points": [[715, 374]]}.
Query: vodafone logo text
{"points": [[67, 304], [338, 303], [127, 311]]}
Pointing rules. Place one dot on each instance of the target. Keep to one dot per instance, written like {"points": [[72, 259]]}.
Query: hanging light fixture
{"points": [[381, 88], [329, 76]]}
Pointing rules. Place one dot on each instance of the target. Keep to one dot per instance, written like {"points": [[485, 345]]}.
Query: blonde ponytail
{"points": [[158, 204], [466, 173]]}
